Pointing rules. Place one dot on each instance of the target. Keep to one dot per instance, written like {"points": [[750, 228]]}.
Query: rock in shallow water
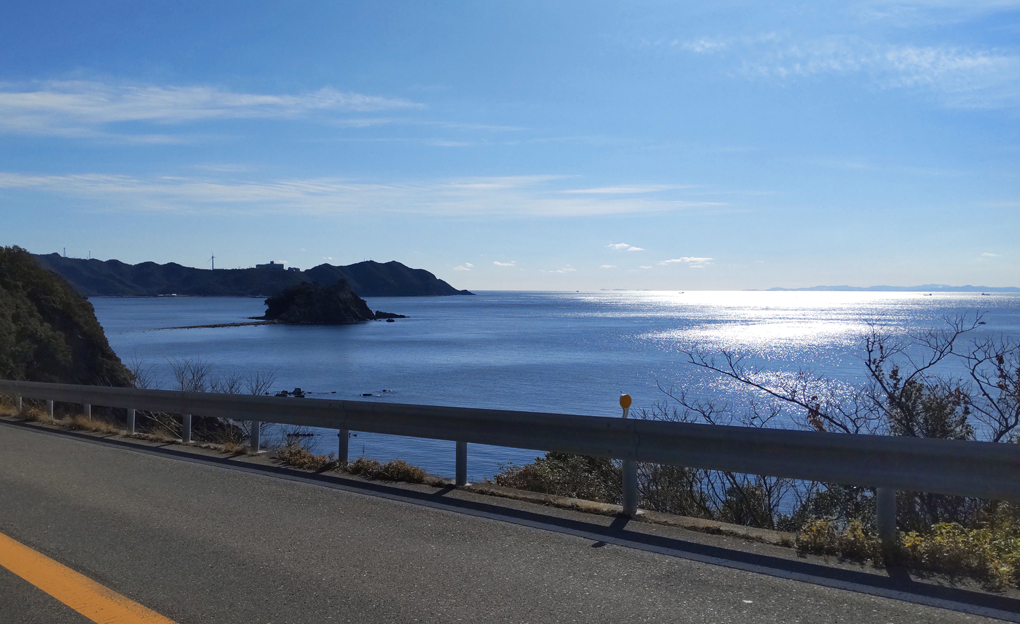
{"points": [[311, 304]]}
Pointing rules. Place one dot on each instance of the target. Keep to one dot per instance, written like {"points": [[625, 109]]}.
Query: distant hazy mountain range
{"points": [[931, 288], [113, 278]]}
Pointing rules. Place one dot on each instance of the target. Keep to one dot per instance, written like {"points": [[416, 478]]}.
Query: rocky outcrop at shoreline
{"points": [[311, 304]]}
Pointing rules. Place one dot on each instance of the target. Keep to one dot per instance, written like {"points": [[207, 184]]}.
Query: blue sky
{"points": [[530, 145]]}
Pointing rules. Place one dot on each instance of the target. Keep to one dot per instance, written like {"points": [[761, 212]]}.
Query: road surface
{"points": [[206, 543]]}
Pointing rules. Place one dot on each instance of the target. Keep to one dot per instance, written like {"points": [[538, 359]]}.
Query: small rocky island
{"points": [[312, 304]]}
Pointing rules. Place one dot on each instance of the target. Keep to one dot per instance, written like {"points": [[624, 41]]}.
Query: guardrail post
{"points": [[461, 463], [629, 485], [630, 489], [49, 408], [130, 420], [18, 403], [885, 510], [87, 410], [186, 428], [343, 452], [254, 440]]}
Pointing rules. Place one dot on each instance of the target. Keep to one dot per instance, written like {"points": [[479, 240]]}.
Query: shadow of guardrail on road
{"points": [[895, 584]]}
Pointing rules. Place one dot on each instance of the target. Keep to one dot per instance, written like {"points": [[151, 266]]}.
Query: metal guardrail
{"points": [[963, 468]]}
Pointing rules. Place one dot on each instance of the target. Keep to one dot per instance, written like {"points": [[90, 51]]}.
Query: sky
{"points": [[522, 145]]}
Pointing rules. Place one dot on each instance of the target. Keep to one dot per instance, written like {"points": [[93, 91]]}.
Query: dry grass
{"points": [[303, 459], [295, 456], [292, 455], [397, 470], [156, 436], [37, 415], [95, 425], [234, 447], [7, 406], [30, 410]]}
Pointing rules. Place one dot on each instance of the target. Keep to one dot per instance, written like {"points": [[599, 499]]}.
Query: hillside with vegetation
{"points": [[112, 278], [48, 331]]}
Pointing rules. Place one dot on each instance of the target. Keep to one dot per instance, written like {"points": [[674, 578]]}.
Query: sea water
{"points": [[538, 351]]}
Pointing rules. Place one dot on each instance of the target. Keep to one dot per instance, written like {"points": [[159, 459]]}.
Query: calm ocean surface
{"points": [[555, 352]]}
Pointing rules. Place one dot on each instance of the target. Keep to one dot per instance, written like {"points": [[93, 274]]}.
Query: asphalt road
{"points": [[204, 543]]}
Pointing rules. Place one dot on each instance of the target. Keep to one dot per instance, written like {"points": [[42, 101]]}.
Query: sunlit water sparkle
{"points": [[554, 352]]}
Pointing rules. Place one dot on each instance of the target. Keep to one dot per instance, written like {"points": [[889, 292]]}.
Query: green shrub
{"points": [[990, 553], [566, 474]]}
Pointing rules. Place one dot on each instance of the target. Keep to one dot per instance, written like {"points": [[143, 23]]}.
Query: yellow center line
{"points": [[82, 594]]}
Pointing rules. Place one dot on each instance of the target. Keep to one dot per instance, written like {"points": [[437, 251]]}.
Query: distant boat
{"points": [[985, 295]]}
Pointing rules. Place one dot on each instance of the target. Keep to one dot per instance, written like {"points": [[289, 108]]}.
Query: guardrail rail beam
{"points": [[952, 467]]}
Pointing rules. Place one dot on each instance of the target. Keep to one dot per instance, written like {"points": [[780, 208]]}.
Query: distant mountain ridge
{"points": [[113, 278], [922, 288]]}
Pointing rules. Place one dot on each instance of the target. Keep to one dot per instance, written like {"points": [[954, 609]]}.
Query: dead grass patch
{"points": [[36, 415], [295, 456], [234, 447], [156, 436], [396, 470], [95, 425]]}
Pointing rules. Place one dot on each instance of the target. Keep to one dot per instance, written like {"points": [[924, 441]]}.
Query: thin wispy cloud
{"points": [[705, 45], [467, 266], [89, 108], [566, 269], [624, 247], [608, 266], [990, 255], [960, 76], [508, 196], [693, 262], [624, 190], [366, 122], [505, 264], [930, 12]]}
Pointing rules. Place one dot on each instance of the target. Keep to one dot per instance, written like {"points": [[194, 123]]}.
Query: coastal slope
{"points": [[112, 278], [49, 332]]}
